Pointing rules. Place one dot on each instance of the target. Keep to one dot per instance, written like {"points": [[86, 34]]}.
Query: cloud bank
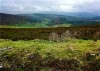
{"points": [[31, 6]]}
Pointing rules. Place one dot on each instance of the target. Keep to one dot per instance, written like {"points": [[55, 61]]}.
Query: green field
{"points": [[36, 25], [43, 55]]}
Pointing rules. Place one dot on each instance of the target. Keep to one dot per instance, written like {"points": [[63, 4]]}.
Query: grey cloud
{"points": [[31, 6]]}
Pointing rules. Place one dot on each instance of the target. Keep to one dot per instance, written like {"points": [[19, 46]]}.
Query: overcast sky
{"points": [[31, 6]]}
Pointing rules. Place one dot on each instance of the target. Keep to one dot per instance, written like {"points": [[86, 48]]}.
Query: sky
{"points": [[32, 6]]}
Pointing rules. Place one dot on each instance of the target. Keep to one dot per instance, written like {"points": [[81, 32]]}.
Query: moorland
{"points": [[49, 42]]}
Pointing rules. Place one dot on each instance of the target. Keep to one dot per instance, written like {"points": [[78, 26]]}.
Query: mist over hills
{"points": [[49, 19]]}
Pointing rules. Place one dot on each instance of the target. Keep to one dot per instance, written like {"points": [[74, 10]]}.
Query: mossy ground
{"points": [[43, 55]]}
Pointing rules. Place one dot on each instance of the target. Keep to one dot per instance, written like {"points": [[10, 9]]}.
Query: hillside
{"points": [[9, 19], [56, 19], [96, 18], [56, 34], [40, 20], [42, 55]]}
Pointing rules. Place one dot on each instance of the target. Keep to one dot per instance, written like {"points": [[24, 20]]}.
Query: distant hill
{"points": [[75, 14], [54, 19], [96, 18], [9, 19], [46, 20]]}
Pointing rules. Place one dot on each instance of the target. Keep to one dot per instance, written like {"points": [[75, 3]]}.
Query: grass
{"points": [[6, 26], [59, 49], [18, 26], [69, 49], [36, 25]]}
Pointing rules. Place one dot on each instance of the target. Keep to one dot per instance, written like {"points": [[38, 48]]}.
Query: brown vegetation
{"points": [[56, 34]]}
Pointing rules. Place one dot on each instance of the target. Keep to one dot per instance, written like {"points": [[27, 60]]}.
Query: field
{"points": [[43, 55]]}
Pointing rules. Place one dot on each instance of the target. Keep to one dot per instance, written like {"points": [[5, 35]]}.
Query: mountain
{"points": [[9, 19], [96, 18], [52, 19], [75, 14], [46, 20], [82, 15]]}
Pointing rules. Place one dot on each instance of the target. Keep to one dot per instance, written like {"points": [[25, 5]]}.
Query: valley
{"points": [[41, 20]]}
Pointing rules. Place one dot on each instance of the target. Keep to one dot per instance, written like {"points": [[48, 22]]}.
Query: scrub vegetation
{"points": [[43, 55]]}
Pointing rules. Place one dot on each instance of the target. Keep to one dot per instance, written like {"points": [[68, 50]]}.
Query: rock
{"points": [[5, 48], [1, 66]]}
